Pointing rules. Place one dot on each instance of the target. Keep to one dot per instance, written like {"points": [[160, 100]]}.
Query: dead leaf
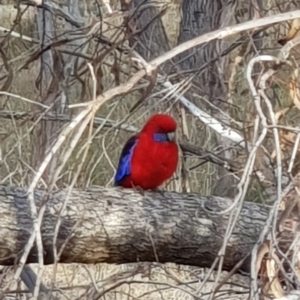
{"points": [[272, 272], [263, 250], [294, 89], [294, 31]]}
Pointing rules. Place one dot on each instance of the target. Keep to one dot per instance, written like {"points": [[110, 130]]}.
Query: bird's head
{"points": [[162, 127]]}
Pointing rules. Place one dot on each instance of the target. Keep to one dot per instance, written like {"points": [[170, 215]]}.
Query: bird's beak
{"points": [[171, 136]]}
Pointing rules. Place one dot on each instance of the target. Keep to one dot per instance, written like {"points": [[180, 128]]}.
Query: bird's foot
{"points": [[139, 190], [161, 192]]}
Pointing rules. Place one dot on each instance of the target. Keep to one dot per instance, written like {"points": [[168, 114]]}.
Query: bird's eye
{"points": [[171, 136]]}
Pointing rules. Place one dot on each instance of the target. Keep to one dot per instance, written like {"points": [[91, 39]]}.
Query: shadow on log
{"points": [[114, 225]]}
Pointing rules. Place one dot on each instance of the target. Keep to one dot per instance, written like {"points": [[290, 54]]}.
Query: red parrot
{"points": [[150, 157]]}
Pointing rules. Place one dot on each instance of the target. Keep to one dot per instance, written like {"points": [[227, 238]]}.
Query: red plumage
{"points": [[154, 155]]}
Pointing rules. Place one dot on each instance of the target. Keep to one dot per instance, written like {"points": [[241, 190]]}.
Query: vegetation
{"points": [[77, 78]]}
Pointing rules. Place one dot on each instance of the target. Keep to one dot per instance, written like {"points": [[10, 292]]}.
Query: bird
{"points": [[150, 157]]}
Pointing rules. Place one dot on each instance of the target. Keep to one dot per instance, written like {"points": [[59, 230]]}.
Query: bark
{"points": [[120, 226]]}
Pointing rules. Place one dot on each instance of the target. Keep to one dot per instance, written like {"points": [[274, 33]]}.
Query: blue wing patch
{"points": [[124, 167]]}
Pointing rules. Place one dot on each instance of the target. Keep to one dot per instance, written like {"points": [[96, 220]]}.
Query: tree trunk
{"points": [[121, 226]]}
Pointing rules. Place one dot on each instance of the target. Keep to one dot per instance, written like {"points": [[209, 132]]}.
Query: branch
{"points": [[217, 34], [120, 226], [187, 148]]}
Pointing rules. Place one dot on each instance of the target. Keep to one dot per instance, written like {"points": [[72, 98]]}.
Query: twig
{"points": [[24, 99]]}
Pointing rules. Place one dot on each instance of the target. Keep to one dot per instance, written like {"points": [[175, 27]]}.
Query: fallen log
{"points": [[116, 225]]}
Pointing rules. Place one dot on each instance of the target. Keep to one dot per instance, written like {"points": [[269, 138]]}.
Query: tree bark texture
{"points": [[115, 225]]}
